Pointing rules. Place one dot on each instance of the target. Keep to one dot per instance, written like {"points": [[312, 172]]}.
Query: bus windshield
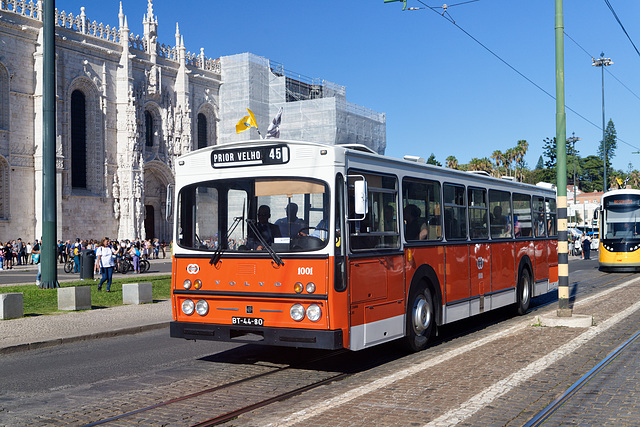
{"points": [[622, 217], [249, 214]]}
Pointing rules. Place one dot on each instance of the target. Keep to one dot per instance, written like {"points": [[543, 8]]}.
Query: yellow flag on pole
{"points": [[252, 119], [243, 124]]}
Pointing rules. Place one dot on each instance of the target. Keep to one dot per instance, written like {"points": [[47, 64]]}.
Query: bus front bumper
{"points": [[286, 337]]}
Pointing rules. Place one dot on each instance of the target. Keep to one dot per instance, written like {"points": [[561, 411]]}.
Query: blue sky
{"points": [[441, 91]]}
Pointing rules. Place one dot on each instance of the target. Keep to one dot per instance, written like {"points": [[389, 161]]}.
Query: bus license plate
{"points": [[247, 321]]}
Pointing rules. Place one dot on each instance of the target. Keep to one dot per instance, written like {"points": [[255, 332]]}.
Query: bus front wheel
{"points": [[420, 318]]}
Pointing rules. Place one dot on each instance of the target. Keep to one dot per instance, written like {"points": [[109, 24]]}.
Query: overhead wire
{"points": [[615, 15], [520, 73]]}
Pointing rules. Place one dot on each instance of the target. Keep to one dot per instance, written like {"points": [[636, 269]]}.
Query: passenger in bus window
{"points": [[499, 223], [267, 230], [321, 230], [291, 224], [415, 228]]}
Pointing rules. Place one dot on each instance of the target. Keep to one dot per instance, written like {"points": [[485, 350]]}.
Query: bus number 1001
{"points": [[305, 271]]}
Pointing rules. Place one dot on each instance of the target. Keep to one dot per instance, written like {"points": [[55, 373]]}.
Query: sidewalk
{"points": [[47, 330], [43, 331]]}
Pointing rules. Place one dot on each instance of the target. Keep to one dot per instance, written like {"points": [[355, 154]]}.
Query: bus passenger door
{"points": [[480, 274]]}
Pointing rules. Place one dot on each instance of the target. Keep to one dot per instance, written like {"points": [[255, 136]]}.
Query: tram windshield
{"points": [[254, 214], [621, 218]]}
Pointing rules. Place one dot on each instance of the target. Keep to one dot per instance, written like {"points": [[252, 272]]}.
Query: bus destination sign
{"points": [[253, 156]]}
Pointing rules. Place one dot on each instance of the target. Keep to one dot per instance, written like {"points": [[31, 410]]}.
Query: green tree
{"points": [[432, 160], [540, 164], [591, 176], [610, 137]]}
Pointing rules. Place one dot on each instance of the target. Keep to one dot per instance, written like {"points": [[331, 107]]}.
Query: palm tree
{"points": [[498, 157], [452, 162], [475, 164], [508, 159], [521, 151]]}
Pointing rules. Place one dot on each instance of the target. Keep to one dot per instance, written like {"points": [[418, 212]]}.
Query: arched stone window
{"points": [[202, 130], [4, 98], [78, 140], [148, 128], [205, 127]]}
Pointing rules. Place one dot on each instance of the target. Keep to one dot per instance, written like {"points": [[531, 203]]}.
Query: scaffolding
{"points": [[313, 109]]}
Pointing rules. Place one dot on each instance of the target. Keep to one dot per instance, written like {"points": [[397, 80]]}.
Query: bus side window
{"points": [[421, 210], [378, 229], [500, 208], [551, 217], [522, 215], [538, 214], [455, 216]]}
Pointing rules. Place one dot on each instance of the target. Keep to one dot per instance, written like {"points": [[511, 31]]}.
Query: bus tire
{"points": [[523, 291], [420, 318]]}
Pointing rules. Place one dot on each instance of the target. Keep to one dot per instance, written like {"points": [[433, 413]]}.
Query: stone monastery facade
{"points": [[127, 107]]}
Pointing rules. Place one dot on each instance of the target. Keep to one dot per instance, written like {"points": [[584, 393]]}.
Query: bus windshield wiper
{"points": [[218, 253], [263, 242]]}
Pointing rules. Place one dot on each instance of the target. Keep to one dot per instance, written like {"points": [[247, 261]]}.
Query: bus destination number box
{"points": [[251, 156]]}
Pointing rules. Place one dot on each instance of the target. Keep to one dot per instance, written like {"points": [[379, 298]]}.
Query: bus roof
{"points": [[355, 151]]}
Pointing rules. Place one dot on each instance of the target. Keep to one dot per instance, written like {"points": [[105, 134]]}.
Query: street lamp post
{"points": [[603, 62], [573, 140]]}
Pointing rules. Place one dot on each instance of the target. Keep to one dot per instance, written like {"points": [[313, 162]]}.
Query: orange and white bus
{"points": [[308, 245]]}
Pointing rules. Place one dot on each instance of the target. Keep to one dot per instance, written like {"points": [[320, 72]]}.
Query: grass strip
{"points": [[37, 301]]}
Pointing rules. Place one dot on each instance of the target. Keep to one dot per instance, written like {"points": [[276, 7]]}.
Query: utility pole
{"points": [[561, 154], [603, 62], [48, 248]]}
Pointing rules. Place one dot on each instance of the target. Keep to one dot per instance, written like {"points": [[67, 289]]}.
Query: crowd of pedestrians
{"points": [[18, 252]]}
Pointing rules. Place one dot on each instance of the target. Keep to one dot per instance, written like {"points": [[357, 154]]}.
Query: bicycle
{"points": [[125, 264], [68, 266]]}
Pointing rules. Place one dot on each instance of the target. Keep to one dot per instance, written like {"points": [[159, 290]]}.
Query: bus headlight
{"points": [[197, 284], [186, 284], [202, 307], [187, 307], [297, 288], [311, 287], [314, 312], [297, 312]]}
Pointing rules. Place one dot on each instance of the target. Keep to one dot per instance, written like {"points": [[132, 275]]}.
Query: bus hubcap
{"points": [[421, 315]]}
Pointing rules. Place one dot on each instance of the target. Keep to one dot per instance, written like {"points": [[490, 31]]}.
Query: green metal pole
{"points": [[561, 168], [49, 213]]}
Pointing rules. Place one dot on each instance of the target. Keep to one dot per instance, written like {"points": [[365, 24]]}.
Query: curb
{"points": [[57, 341]]}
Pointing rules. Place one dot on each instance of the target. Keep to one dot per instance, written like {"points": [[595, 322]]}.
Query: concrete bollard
{"points": [[137, 293], [11, 306], [74, 298]]}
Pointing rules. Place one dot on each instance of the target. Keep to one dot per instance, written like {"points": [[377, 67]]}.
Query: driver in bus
{"points": [[267, 230], [626, 232], [291, 222]]}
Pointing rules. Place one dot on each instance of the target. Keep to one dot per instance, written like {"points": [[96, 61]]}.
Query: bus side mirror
{"points": [[595, 214], [360, 197]]}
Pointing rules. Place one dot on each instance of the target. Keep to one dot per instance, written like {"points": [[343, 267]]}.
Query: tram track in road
{"points": [[243, 382], [565, 397]]}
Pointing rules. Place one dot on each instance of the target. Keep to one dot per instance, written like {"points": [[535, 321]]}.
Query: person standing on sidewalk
{"points": [[105, 262], [35, 255], [134, 251]]}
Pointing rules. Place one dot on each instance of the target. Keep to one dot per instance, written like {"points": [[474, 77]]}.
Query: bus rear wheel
{"points": [[523, 292], [420, 318]]}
